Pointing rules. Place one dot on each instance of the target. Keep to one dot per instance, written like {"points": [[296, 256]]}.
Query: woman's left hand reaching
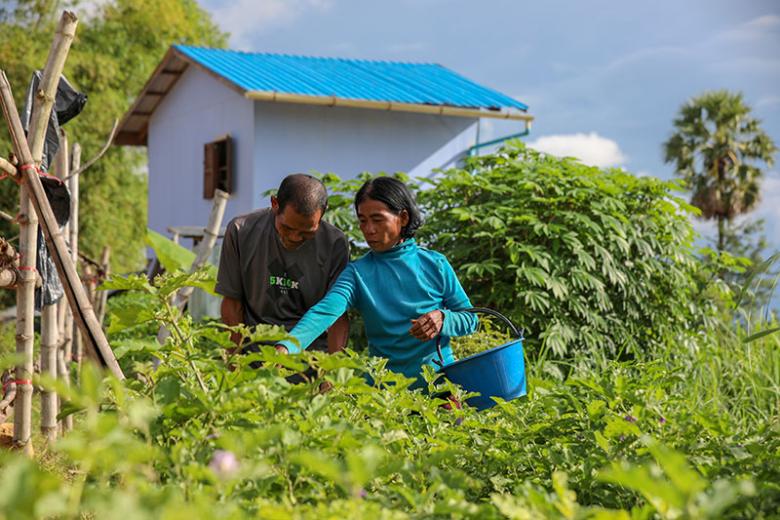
{"points": [[427, 326]]}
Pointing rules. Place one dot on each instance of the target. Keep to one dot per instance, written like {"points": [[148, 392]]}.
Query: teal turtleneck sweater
{"points": [[390, 289]]}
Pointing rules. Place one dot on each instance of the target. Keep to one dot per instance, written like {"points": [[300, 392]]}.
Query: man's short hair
{"points": [[305, 193]]}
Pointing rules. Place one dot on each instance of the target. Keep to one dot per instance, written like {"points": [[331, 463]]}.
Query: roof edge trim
{"points": [[419, 108]]}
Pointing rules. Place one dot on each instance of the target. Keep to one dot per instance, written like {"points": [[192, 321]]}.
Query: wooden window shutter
{"points": [[210, 169], [218, 167], [225, 177]]}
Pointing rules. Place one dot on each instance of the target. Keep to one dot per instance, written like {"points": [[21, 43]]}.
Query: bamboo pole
{"points": [[102, 296], [7, 168], [58, 53], [9, 391], [64, 315], [73, 185], [28, 217], [49, 338], [8, 278], [210, 235], [25, 314], [9, 265], [85, 316]]}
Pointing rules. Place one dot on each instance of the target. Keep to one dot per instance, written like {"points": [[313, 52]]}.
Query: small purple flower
{"points": [[362, 493], [662, 420], [223, 463], [630, 418]]}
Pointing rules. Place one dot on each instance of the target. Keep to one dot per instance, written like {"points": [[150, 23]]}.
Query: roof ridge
{"points": [[305, 56]]}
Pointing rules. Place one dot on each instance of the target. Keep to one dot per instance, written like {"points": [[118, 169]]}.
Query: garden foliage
{"points": [[692, 434], [584, 259], [687, 429]]}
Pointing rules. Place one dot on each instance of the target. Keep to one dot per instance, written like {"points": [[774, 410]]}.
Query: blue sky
{"points": [[603, 78]]}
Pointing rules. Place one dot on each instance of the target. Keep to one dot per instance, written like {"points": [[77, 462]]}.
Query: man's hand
{"points": [[427, 326], [281, 349], [232, 313]]}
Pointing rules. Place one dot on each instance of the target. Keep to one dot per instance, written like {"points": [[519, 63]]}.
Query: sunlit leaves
{"points": [[556, 243]]}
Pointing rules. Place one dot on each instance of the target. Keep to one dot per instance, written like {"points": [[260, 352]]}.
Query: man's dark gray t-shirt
{"points": [[276, 286]]}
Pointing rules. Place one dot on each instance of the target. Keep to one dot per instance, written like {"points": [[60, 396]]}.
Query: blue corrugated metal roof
{"points": [[424, 83]]}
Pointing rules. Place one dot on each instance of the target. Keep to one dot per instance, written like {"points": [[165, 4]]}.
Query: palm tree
{"points": [[717, 148]]}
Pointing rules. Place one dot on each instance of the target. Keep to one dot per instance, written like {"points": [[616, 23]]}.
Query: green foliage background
{"points": [[586, 260], [117, 46], [677, 429]]}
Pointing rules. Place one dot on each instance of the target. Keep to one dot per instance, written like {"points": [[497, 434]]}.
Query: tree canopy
{"points": [[718, 148], [117, 46]]}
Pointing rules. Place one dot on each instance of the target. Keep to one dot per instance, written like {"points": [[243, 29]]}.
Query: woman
{"points": [[407, 295]]}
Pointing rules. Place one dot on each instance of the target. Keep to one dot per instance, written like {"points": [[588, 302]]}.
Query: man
{"points": [[278, 262]]}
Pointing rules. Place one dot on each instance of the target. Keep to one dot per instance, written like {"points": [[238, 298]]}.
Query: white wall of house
{"points": [[272, 140], [198, 110], [347, 141]]}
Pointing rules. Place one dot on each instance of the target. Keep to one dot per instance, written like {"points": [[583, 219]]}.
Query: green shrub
{"points": [[584, 259], [691, 434]]}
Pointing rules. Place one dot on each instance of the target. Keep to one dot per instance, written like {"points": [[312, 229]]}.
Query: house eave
{"points": [[442, 110]]}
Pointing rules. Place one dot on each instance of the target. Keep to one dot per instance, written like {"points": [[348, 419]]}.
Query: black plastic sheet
{"points": [[68, 103]]}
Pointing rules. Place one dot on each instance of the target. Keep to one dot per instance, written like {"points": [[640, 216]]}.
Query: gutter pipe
{"points": [[472, 151]]}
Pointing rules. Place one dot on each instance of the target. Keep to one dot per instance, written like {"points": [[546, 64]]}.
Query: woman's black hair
{"points": [[396, 196]]}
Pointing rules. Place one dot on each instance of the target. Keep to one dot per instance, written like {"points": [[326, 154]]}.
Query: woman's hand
{"points": [[427, 326], [281, 349]]}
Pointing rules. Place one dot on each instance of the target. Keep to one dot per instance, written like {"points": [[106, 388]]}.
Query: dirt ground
{"points": [[6, 435]]}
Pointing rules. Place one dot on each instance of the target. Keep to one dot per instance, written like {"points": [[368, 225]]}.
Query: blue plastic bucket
{"points": [[498, 372]]}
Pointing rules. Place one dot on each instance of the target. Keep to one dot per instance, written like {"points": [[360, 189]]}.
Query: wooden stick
{"points": [[102, 296], [85, 315], [210, 235], [77, 171], [73, 185], [6, 216]]}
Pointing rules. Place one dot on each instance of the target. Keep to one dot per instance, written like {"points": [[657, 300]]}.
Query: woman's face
{"points": [[381, 227]]}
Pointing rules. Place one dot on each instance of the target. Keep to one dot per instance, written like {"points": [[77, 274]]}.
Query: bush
{"points": [[584, 259], [206, 435]]}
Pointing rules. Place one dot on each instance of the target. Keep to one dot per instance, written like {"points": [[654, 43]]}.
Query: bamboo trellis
{"points": [[35, 205]]}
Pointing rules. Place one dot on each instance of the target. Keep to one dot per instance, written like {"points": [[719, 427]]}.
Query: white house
{"points": [[242, 121]]}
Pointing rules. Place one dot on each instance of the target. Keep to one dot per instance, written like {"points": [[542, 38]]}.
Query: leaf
{"points": [[171, 255], [125, 346], [759, 335], [129, 315], [320, 464]]}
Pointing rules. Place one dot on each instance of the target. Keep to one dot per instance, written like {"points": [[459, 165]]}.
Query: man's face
{"points": [[294, 229]]}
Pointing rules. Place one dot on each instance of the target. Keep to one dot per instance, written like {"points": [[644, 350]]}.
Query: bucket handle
{"points": [[513, 330]]}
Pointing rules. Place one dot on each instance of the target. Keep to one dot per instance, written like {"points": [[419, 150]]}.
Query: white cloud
{"points": [[589, 148], [243, 18], [753, 29]]}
